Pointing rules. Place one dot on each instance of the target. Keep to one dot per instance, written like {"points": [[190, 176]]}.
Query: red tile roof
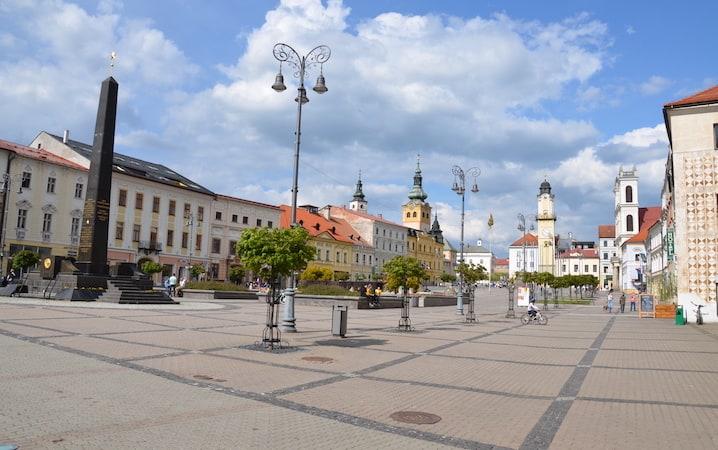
{"points": [[607, 231], [530, 239], [317, 224], [366, 215], [646, 218], [501, 261], [39, 154], [579, 252], [709, 95]]}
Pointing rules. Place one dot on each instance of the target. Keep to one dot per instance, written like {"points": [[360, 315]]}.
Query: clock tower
{"points": [[546, 221]]}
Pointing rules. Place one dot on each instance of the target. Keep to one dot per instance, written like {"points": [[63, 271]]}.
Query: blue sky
{"points": [[570, 90]]}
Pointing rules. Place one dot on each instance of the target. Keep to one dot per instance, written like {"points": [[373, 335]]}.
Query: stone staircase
{"points": [[131, 290]]}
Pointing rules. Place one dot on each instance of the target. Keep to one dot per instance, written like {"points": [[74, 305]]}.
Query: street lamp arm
{"points": [[285, 53], [318, 55]]}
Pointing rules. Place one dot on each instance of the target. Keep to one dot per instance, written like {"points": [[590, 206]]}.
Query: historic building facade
{"points": [[523, 255], [606, 251], [691, 199], [546, 224], [578, 261]]}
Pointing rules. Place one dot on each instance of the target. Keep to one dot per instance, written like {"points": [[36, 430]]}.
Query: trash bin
{"points": [[339, 320], [679, 316]]}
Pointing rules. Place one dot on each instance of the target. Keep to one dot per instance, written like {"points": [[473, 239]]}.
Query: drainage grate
{"points": [[318, 359], [415, 417]]}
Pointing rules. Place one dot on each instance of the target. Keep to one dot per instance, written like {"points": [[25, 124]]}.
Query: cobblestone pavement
{"points": [[76, 377]]}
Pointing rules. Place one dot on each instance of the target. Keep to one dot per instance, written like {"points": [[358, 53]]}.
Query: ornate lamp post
{"points": [[460, 188], [522, 227], [301, 65]]}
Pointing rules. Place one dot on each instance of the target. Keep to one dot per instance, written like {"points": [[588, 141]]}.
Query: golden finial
{"points": [[113, 57]]}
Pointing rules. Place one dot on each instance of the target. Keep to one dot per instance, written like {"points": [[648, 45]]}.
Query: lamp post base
{"points": [[460, 305], [288, 319]]}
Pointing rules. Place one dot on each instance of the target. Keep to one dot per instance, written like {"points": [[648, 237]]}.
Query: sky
{"points": [[523, 90]]}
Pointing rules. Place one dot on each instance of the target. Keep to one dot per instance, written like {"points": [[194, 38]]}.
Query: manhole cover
{"points": [[415, 417], [318, 359]]}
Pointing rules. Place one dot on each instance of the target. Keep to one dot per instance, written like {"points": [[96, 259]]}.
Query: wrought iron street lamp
{"points": [[300, 65], [522, 227], [460, 188]]}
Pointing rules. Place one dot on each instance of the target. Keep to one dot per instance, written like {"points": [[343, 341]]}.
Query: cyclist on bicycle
{"points": [[532, 308]]}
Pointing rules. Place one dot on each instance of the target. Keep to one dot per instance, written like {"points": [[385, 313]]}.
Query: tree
{"points": [[447, 277], [24, 259], [197, 270], [151, 267], [236, 274], [316, 273], [471, 273], [341, 276], [404, 272], [274, 252]]}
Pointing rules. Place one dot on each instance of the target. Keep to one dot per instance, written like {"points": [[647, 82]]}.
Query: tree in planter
{"points": [[316, 273], [236, 274], [197, 270], [404, 273], [151, 268], [470, 274], [24, 259], [341, 276], [447, 277], [272, 253]]}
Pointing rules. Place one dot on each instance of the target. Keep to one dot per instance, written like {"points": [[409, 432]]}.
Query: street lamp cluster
{"points": [[522, 227], [459, 187]]}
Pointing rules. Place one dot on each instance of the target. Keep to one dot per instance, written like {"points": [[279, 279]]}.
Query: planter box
{"points": [[666, 311]]}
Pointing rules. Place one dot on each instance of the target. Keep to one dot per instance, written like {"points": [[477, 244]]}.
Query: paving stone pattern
{"points": [[157, 377]]}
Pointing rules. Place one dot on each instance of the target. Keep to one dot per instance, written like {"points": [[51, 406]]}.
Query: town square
{"points": [[347, 224]]}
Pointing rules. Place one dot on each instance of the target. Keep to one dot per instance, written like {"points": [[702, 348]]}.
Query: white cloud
{"points": [[642, 137], [654, 85]]}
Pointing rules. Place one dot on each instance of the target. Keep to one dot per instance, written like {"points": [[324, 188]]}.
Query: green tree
{"points": [[24, 259], [341, 276], [197, 270], [316, 273], [151, 267], [404, 272], [274, 252], [236, 274], [471, 273], [447, 277]]}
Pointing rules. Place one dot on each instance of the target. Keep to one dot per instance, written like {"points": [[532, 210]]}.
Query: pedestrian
{"points": [[377, 296], [633, 302], [370, 295], [622, 302], [173, 285], [166, 285], [609, 301]]}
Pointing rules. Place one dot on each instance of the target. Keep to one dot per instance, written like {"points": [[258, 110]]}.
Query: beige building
{"points": [[692, 219], [606, 251], [546, 233], [578, 261]]}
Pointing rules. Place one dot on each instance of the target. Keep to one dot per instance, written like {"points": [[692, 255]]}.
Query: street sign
{"points": [[670, 250]]}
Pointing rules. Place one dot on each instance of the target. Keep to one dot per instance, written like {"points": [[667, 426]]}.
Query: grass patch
{"points": [[319, 289], [569, 301], [214, 286]]}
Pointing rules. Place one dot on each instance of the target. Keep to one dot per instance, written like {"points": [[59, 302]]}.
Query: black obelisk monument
{"points": [[92, 252]]}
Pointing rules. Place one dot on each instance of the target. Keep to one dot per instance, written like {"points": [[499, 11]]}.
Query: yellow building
{"points": [[425, 240]]}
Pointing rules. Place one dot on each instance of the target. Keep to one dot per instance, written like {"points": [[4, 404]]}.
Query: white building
{"points": [[606, 251], [578, 261], [523, 255], [691, 206], [480, 256]]}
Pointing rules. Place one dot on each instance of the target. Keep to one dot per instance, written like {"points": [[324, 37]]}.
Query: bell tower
{"points": [[546, 221], [359, 203], [416, 213]]}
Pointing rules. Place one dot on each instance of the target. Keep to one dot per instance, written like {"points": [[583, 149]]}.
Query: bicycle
{"points": [[699, 314], [538, 317]]}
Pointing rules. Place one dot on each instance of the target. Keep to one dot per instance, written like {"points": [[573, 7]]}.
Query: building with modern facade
{"points": [[606, 251], [691, 200]]}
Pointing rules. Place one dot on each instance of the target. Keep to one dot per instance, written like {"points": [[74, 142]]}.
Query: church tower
{"points": [[546, 221], [625, 194], [358, 203], [416, 213]]}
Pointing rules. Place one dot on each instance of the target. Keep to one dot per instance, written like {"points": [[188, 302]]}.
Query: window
{"points": [[575, 268], [715, 135], [170, 238], [120, 231], [413, 214], [198, 243], [563, 268], [173, 206], [245, 220], [51, 185], [155, 204], [270, 224], [338, 257], [345, 258], [629, 194], [153, 234], [384, 232], [605, 269], [605, 243], [605, 256], [75, 226], [234, 218], [185, 239], [136, 228], [200, 213], [629, 223], [369, 259], [139, 198], [218, 215], [585, 268], [78, 190], [21, 218], [259, 222], [26, 176], [232, 249], [47, 223], [326, 256], [408, 215], [319, 255], [122, 198], [216, 244], [638, 257], [595, 268], [187, 209], [356, 258]]}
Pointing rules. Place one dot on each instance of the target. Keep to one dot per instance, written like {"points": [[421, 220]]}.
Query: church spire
{"points": [[436, 230], [359, 192], [359, 202], [417, 191]]}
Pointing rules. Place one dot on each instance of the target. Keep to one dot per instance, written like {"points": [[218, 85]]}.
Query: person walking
{"points": [[609, 301], [173, 285], [622, 302], [633, 302], [370, 295]]}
